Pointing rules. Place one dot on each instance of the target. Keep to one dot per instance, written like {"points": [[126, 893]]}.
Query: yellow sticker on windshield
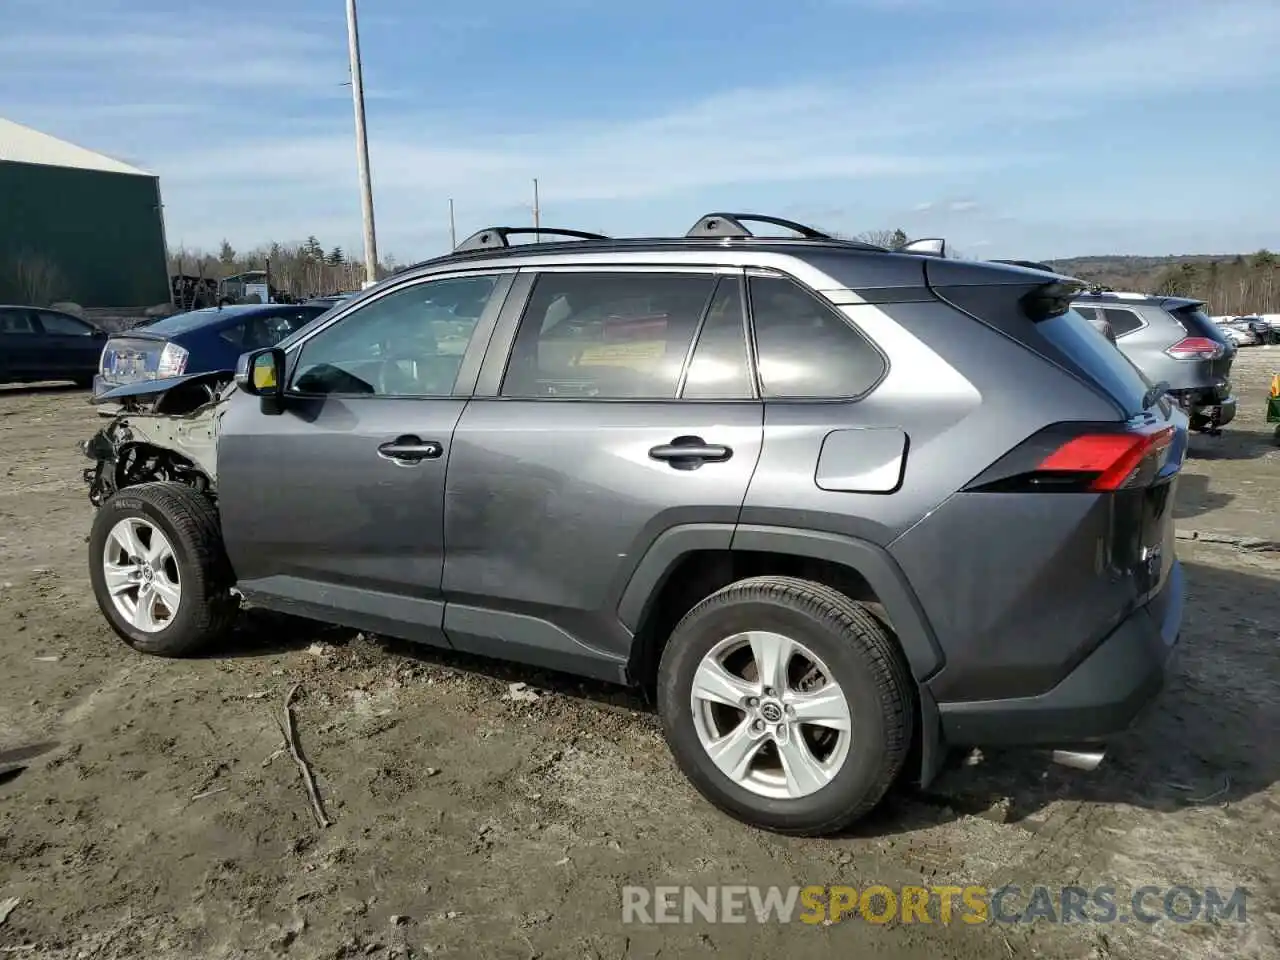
{"points": [[264, 372]]}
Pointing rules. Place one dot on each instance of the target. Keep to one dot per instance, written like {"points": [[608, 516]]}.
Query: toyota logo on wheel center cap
{"points": [[771, 712]]}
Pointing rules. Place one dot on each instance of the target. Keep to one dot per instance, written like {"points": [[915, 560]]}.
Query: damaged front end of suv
{"points": [[160, 430]]}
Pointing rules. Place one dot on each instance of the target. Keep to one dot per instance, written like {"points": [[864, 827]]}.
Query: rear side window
{"points": [[606, 336], [259, 332], [720, 368], [806, 349], [1122, 321], [16, 322], [1107, 366]]}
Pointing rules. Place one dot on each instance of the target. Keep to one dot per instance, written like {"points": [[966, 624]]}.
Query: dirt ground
{"points": [[158, 818]]}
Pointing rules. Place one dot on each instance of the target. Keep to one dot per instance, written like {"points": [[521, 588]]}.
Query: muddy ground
{"points": [[160, 820]]}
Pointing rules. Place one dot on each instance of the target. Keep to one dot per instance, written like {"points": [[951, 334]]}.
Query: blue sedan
{"points": [[192, 344]]}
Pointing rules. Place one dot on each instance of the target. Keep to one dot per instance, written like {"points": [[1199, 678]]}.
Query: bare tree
{"points": [[38, 279]]}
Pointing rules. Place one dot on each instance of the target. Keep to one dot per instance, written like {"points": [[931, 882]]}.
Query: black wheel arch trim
{"points": [[872, 562]]}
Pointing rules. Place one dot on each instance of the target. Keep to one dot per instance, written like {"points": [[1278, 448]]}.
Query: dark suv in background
{"points": [[1172, 341], [843, 508]]}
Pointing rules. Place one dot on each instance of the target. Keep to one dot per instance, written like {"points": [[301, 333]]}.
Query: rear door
{"points": [[596, 428], [333, 507]]}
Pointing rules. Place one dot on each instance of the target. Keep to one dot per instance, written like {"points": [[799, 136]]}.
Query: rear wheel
{"points": [[786, 704], [158, 569]]}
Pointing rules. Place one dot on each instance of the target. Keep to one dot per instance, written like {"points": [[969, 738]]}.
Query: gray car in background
{"points": [[1172, 341], [840, 508]]}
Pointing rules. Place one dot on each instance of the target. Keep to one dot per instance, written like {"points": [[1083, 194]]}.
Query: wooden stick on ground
{"points": [[295, 748]]}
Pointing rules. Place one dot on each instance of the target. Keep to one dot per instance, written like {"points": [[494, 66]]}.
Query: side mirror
{"points": [[260, 373]]}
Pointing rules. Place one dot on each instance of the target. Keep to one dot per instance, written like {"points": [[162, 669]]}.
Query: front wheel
{"points": [[159, 571], [786, 704]]}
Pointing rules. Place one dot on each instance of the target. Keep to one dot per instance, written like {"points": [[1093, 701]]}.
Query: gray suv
{"points": [[1171, 340], [841, 508]]}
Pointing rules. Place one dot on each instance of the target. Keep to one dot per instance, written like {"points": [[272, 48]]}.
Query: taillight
{"points": [[172, 362], [1077, 458], [1111, 460], [1196, 348]]}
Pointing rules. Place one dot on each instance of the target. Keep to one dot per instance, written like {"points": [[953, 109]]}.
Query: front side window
{"points": [[62, 325], [806, 349], [606, 336], [408, 343]]}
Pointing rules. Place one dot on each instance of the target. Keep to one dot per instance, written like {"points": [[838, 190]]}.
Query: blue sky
{"points": [[1012, 127]]}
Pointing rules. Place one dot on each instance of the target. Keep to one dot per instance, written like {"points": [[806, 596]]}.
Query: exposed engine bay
{"points": [[166, 434]]}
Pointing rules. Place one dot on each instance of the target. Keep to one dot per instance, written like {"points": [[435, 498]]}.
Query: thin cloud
{"points": [[260, 158]]}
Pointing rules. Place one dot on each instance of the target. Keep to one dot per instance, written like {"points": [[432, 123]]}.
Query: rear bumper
{"points": [[1216, 403], [1099, 698], [1224, 412]]}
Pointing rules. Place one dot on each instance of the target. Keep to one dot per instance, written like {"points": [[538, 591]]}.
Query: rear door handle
{"points": [[410, 449], [689, 453]]}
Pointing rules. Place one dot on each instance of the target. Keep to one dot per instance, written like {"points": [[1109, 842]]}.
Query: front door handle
{"points": [[689, 453], [410, 449]]}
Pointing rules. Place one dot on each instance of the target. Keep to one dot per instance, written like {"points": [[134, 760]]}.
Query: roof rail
{"points": [[491, 238], [730, 225]]}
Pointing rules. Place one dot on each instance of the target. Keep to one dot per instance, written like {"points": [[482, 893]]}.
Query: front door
{"points": [[591, 434], [73, 347], [333, 507]]}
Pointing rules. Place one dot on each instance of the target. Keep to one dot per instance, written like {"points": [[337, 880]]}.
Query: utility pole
{"points": [[362, 148], [537, 214], [453, 230]]}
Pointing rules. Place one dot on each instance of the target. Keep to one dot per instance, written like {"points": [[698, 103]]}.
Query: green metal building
{"points": [[77, 226]]}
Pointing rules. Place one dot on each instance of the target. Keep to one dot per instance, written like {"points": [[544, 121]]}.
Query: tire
{"points": [[206, 608], [858, 654]]}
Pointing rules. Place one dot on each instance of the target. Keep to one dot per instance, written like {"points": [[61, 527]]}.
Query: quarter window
{"points": [[606, 336], [409, 343], [806, 349], [1122, 321]]}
